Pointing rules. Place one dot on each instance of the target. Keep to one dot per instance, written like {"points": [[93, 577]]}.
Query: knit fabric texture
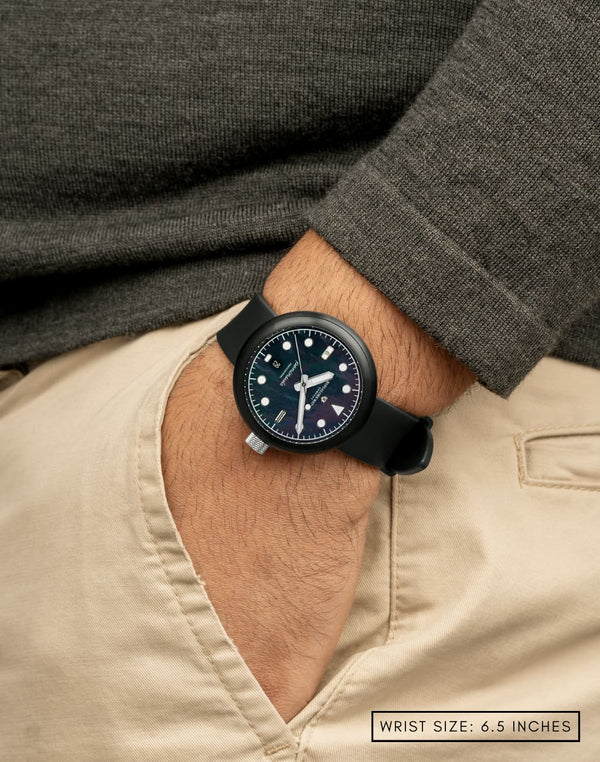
{"points": [[157, 159]]}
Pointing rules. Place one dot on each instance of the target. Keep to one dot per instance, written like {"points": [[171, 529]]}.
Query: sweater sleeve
{"points": [[478, 214]]}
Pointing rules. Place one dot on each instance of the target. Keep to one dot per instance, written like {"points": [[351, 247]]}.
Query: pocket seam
{"points": [[523, 437], [187, 356], [173, 587]]}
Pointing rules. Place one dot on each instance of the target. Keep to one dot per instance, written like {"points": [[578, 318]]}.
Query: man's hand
{"points": [[278, 539]]}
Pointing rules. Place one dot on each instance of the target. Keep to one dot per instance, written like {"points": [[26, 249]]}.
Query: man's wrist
{"points": [[414, 372]]}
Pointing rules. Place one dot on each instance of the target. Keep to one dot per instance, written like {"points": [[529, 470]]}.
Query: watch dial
{"points": [[303, 385]]}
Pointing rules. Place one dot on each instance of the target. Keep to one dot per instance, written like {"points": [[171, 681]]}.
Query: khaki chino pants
{"points": [[480, 587]]}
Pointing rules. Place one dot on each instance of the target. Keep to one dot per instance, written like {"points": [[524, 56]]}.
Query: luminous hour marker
{"points": [[280, 416], [268, 358], [307, 406], [264, 401], [261, 379], [326, 353], [308, 342], [338, 409], [346, 388], [321, 423], [287, 345], [343, 367]]}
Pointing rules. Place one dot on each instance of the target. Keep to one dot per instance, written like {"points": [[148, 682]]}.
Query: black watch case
{"points": [[319, 322]]}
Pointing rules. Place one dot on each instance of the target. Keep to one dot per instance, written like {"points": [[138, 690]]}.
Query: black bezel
{"points": [[323, 322]]}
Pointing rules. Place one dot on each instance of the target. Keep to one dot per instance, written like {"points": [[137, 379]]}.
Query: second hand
{"points": [[302, 390], [298, 356]]}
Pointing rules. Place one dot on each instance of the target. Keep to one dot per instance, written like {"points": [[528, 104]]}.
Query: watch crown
{"points": [[256, 444]]}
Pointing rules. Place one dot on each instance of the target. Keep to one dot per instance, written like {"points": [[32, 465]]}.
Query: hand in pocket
{"points": [[278, 539]]}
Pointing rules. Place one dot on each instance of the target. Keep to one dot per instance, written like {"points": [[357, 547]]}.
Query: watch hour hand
{"points": [[315, 380]]}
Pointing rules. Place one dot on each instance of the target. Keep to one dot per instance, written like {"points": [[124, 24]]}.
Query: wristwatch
{"points": [[306, 382]]}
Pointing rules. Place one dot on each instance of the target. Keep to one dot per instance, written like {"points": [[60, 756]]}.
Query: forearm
{"points": [[278, 539]]}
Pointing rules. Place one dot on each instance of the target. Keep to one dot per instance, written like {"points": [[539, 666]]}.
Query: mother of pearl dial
{"points": [[303, 385]]}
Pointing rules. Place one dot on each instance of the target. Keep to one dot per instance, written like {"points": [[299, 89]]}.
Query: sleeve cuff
{"points": [[431, 278]]}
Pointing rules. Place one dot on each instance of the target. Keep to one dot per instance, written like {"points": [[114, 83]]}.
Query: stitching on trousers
{"points": [[270, 752], [181, 607], [525, 480], [394, 623], [573, 426], [520, 458], [337, 694]]}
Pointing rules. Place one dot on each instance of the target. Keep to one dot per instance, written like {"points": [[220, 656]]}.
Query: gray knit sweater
{"points": [[158, 157]]}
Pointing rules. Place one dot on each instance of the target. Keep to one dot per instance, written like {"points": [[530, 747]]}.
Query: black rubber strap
{"points": [[395, 441], [235, 334]]}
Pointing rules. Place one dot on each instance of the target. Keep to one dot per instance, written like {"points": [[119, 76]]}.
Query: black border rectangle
{"points": [[477, 711]]}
